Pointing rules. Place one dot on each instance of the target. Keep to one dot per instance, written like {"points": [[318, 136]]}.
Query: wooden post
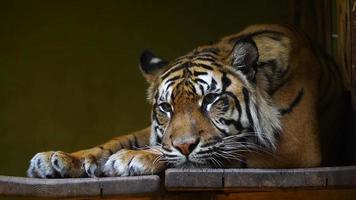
{"points": [[342, 36], [313, 17], [353, 54], [328, 23]]}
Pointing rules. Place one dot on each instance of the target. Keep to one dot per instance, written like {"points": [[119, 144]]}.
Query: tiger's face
{"points": [[204, 105]]}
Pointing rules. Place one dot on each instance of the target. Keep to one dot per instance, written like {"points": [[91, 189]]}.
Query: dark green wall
{"points": [[68, 69]]}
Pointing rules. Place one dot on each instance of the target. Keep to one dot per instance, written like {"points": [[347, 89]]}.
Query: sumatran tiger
{"points": [[253, 99]]}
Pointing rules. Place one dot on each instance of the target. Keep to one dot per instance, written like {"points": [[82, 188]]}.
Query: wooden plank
{"points": [[291, 178], [78, 187], [259, 179]]}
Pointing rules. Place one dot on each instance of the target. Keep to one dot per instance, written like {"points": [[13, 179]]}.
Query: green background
{"points": [[69, 76]]}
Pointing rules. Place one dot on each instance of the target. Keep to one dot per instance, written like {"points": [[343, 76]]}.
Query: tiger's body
{"points": [[252, 99]]}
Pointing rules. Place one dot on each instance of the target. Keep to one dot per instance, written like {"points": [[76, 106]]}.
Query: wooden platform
{"points": [[326, 183]]}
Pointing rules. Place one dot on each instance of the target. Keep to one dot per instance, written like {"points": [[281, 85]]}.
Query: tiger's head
{"points": [[206, 105]]}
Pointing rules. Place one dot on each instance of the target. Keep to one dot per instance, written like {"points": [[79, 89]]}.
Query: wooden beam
{"points": [[78, 187], [259, 179]]}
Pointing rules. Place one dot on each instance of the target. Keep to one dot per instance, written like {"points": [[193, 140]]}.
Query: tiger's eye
{"points": [[209, 98], [165, 107]]}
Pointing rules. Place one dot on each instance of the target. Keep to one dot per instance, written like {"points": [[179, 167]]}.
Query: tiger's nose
{"points": [[186, 147]]}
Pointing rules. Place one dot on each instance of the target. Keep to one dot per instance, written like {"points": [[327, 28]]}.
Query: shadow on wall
{"points": [[68, 70]]}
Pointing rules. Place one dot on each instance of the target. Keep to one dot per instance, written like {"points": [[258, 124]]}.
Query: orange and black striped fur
{"points": [[252, 99]]}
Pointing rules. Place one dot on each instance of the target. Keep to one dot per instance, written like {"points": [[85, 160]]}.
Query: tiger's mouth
{"points": [[217, 155], [198, 158]]}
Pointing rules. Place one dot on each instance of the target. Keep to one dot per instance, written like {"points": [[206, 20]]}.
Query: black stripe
{"points": [[225, 102], [165, 96], [188, 83], [225, 81], [170, 84], [171, 70], [237, 103], [175, 63], [39, 161], [294, 103], [221, 130], [204, 66], [198, 80], [173, 79], [157, 129], [128, 164], [170, 156], [238, 106], [216, 64], [196, 73], [213, 84], [135, 141], [205, 59], [237, 124], [113, 164], [158, 139], [201, 89], [247, 103]]}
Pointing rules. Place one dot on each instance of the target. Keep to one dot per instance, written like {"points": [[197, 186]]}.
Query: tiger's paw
{"points": [[133, 163], [58, 164]]}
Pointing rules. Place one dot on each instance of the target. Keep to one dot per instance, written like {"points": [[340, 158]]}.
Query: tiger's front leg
{"points": [[134, 162], [85, 163]]}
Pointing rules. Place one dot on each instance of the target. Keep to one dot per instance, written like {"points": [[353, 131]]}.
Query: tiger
{"points": [[253, 99]]}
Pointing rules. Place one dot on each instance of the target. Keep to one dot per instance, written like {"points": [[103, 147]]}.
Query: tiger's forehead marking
{"points": [[200, 72], [206, 57], [193, 81]]}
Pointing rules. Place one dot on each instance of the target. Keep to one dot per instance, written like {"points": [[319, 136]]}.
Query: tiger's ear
{"points": [[244, 57], [151, 65]]}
